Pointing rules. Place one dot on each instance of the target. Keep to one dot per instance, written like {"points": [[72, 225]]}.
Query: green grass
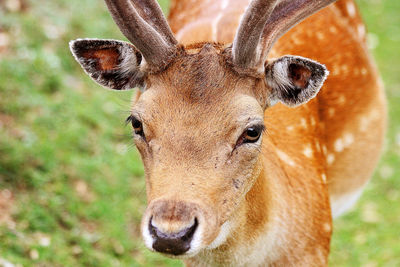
{"points": [[76, 179]]}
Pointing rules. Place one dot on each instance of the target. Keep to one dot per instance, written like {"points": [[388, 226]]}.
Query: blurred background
{"points": [[71, 182]]}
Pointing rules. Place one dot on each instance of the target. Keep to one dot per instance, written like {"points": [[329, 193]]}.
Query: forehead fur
{"points": [[203, 74], [199, 97]]}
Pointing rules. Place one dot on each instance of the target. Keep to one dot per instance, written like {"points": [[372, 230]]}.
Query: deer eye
{"points": [[251, 134], [136, 125]]}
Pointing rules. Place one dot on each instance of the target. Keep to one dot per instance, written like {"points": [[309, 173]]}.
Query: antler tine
{"points": [[264, 22], [155, 49], [250, 30], [286, 15], [151, 12]]}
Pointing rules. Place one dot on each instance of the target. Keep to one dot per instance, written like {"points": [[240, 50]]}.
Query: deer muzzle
{"points": [[177, 228]]}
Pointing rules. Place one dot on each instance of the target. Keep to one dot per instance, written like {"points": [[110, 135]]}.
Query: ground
{"points": [[71, 183]]}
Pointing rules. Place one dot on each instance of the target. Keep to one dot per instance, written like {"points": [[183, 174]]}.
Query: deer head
{"points": [[198, 119]]}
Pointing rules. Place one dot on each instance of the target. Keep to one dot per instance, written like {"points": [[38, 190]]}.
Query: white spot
{"points": [[297, 41], [348, 139], [335, 70], [364, 71], [332, 29], [320, 35], [303, 123], [341, 100], [285, 158], [330, 159], [331, 112], [313, 122], [361, 30], [339, 146], [351, 9], [364, 121], [323, 177], [345, 69], [327, 227], [290, 128], [308, 152], [342, 143]]}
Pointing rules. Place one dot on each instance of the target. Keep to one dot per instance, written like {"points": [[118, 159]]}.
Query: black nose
{"points": [[172, 243]]}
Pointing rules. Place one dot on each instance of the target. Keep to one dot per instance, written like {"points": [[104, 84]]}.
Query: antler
{"points": [[155, 41], [249, 32], [276, 18], [151, 12]]}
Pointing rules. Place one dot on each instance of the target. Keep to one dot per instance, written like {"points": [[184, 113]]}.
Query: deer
{"points": [[257, 122]]}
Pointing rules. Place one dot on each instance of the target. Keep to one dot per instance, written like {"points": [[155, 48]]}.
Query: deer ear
{"points": [[113, 64], [294, 80]]}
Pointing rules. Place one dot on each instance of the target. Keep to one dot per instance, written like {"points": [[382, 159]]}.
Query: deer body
{"points": [[216, 201], [347, 114]]}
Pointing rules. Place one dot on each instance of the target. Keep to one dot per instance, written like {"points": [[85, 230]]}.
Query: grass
{"points": [[75, 182]]}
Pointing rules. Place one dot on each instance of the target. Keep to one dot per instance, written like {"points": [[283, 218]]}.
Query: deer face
{"points": [[199, 130], [198, 123]]}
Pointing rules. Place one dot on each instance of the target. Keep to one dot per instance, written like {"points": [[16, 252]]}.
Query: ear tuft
{"points": [[294, 80], [113, 64]]}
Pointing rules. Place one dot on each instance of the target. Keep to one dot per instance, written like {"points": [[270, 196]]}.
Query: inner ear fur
{"points": [[294, 80], [111, 63]]}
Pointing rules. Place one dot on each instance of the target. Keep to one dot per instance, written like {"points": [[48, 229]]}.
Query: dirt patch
{"points": [[8, 125], [83, 191], [6, 208], [14, 5], [4, 41]]}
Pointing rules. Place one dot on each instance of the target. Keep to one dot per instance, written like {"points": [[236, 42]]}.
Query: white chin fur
{"points": [[196, 244], [148, 240], [222, 236]]}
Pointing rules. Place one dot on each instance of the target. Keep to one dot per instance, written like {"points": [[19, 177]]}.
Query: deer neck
{"points": [[268, 229]]}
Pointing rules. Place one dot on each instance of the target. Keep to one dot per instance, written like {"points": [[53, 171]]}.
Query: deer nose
{"points": [[175, 243]]}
